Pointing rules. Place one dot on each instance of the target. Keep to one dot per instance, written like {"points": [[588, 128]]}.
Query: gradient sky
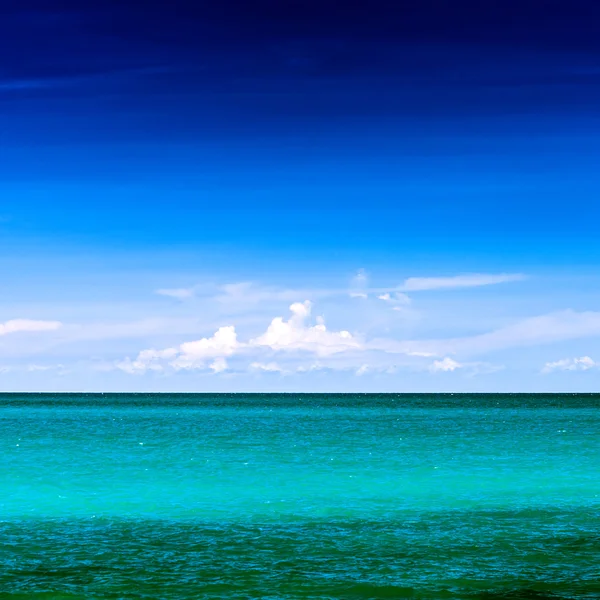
{"points": [[300, 195]]}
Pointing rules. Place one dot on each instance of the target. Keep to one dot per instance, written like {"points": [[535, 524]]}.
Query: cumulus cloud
{"points": [[194, 354], [27, 325], [290, 336], [147, 360], [583, 363], [445, 365], [189, 355], [294, 334], [417, 284]]}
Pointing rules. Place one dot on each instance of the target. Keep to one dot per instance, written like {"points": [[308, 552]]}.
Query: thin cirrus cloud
{"points": [[270, 367], [419, 284], [533, 331], [248, 293], [359, 285], [241, 294], [545, 329], [178, 293], [582, 363], [28, 325]]}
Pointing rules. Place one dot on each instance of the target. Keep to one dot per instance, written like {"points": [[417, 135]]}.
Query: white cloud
{"points": [[398, 301], [291, 336], [471, 369], [192, 355], [362, 370], [270, 367], [147, 360], [295, 335], [242, 295], [417, 284], [189, 355], [310, 368], [397, 297], [27, 325], [446, 364], [582, 363], [295, 338], [34, 368], [219, 365]]}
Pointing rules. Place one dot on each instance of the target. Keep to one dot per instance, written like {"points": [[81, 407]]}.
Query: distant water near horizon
{"points": [[322, 496]]}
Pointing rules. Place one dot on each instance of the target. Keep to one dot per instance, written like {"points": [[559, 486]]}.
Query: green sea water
{"points": [[142, 496]]}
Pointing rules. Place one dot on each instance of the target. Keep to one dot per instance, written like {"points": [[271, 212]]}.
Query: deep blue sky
{"points": [[151, 145]]}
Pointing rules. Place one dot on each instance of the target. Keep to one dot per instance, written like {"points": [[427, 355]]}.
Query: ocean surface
{"points": [[148, 496]]}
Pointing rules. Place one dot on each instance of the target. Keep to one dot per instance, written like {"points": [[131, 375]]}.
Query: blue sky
{"points": [[421, 186]]}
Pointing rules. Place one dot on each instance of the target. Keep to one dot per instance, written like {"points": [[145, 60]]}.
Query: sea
{"points": [[280, 496]]}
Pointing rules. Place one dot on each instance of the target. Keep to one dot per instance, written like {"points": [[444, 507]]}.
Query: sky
{"points": [[293, 195]]}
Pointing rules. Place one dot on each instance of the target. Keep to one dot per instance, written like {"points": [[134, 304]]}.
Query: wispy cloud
{"points": [[178, 293], [449, 365], [418, 284], [544, 329], [28, 325], [533, 331], [42, 83], [35, 368], [270, 367], [397, 300], [245, 294], [445, 365], [583, 363], [242, 294], [359, 285]]}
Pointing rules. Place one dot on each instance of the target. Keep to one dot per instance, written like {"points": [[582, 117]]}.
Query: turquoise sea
{"points": [[148, 496]]}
